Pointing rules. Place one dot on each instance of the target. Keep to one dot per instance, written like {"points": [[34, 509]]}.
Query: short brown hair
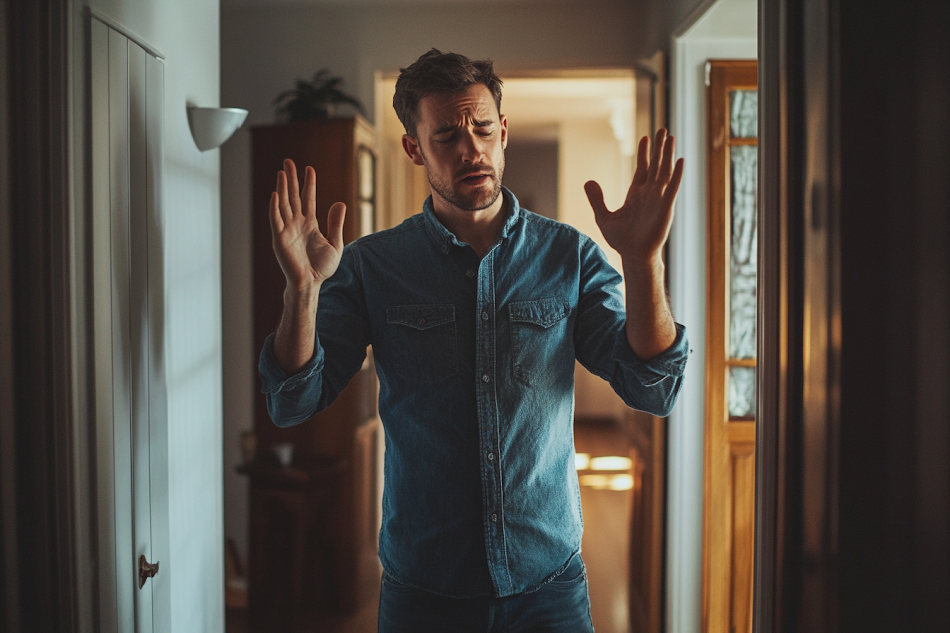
{"points": [[436, 71]]}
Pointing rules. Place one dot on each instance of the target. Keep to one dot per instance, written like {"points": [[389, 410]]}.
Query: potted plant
{"points": [[316, 99]]}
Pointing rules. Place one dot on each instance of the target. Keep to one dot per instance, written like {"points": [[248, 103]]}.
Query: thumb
{"points": [[335, 219], [595, 195]]}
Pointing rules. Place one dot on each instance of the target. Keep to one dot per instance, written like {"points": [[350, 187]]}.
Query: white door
{"points": [[126, 106]]}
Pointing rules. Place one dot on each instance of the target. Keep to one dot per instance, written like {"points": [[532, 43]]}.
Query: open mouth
{"points": [[477, 179]]}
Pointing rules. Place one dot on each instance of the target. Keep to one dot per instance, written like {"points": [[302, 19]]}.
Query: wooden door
{"points": [[729, 485], [126, 105]]}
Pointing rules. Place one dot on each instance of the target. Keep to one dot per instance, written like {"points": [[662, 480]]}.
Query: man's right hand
{"points": [[305, 255]]}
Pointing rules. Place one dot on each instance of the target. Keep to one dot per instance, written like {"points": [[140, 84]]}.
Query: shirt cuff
{"points": [[669, 363], [273, 378]]}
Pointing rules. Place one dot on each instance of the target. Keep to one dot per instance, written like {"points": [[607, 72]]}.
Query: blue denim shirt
{"points": [[475, 359]]}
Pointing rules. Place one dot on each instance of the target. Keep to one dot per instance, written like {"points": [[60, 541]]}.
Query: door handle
{"points": [[146, 570]]}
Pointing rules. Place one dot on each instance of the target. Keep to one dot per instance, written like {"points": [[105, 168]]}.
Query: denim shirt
{"points": [[475, 359]]}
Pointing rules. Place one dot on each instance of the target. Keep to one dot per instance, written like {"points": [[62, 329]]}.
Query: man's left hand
{"points": [[639, 229]]}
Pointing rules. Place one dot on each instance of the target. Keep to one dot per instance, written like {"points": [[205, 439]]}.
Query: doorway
{"points": [[566, 128], [718, 29]]}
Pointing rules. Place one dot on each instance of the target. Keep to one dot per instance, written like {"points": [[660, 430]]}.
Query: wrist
{"points": [[301, 296], [640, 265]]}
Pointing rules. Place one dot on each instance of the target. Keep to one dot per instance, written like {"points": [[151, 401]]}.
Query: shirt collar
{"points": [[444, 239]]}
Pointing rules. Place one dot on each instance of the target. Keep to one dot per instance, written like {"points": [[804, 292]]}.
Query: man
{"points": [[476, 310]]}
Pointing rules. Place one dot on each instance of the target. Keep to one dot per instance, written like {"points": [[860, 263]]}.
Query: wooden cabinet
{"points": [[335, 509]]}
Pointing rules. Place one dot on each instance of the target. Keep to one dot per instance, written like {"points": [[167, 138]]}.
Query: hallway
{"points": [[605, 499]]}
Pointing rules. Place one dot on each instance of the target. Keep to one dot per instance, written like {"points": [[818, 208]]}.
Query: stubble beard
{"points": [[475, 201]]}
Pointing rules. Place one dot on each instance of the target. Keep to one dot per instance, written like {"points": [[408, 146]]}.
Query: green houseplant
{"points": [[316, 99]]}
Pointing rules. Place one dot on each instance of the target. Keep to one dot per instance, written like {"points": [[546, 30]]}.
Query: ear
{"points": [[504, 131], [411, 146]]}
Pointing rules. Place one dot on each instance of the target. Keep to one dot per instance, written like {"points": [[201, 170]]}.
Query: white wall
{"points": [[264, 50], [726, 31], [187, 33]]}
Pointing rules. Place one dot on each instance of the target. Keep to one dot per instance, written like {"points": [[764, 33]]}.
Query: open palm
{"points": [[306, 257], [640, 228]]}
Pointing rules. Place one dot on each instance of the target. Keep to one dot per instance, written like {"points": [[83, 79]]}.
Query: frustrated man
{"points": [[476, 309]]}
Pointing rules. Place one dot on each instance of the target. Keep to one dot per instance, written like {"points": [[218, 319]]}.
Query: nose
{"points": [[471, 147]]}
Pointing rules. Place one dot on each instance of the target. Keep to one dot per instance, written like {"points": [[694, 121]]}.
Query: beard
{"points": [[475, 200]]}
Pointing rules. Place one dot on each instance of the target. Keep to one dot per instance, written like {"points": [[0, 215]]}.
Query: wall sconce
{"points": [[211, 127]]}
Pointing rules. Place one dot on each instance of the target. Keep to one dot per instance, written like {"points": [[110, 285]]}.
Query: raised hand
{"points": [[639, 229], [305, 255]]}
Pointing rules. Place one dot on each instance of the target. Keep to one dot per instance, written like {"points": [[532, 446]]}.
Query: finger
{"points": [[282, 200], [657, 153], [666, 164], [293, 185], [669, 196], [276, 222], [310, 192], [643, 165], [335, 218], [595, 195]]}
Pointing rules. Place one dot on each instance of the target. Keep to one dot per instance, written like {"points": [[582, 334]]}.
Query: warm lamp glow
{"points": [[582, 461], [607, 482], [611, 462]]}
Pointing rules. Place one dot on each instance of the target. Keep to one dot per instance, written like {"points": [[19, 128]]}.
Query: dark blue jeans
{"points": [[561, 606]]}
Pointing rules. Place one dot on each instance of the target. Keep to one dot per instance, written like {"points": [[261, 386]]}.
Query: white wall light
{"points": [[211, 127]]}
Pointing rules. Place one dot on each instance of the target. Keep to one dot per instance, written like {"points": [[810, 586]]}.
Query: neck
{"points": [[478, 229]]}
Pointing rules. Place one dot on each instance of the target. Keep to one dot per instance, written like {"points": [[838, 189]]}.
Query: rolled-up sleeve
{"points": [[601, 341], [339, 349]]}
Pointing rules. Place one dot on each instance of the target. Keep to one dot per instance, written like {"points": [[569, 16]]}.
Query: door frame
{"points": [[54, 582]]}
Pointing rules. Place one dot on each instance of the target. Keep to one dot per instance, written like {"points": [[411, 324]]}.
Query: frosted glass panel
{"points": [[741, 392], [742, 256], [743, 113]]}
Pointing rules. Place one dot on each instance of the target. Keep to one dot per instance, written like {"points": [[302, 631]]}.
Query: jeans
{"points": [[560, 606]]}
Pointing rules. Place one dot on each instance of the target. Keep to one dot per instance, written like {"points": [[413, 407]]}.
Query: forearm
{"points": [[296, 333], [649, 327]]}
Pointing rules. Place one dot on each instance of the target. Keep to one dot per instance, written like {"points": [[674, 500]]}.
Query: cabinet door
{"points": [[126, 99]]}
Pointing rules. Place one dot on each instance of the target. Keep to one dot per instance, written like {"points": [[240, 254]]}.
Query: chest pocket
{"points": [[541, 347], [422, 342]]}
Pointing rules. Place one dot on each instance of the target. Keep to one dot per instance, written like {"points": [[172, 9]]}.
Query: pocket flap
{"points": [[421, 317], [543, 312]]}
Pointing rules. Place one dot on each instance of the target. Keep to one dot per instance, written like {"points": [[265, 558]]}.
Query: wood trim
{"points": [[42, 301], [821, 319], [779, 379]]}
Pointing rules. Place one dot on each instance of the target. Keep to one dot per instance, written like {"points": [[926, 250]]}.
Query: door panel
{"points": [[102, 323], [157, 407], [126, 112], [139, 330], [120, 274]]}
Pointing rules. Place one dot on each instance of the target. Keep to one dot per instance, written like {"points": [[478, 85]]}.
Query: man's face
{"points": [[460, 139]]}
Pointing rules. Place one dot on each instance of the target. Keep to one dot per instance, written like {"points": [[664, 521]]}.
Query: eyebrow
{"points": [[451, 128]]}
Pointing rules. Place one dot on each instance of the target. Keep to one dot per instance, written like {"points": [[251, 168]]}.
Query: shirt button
{"points": [[420, 321], [494, 518], [484, 316], [486, 378], [491, 457], [470, 273]]}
